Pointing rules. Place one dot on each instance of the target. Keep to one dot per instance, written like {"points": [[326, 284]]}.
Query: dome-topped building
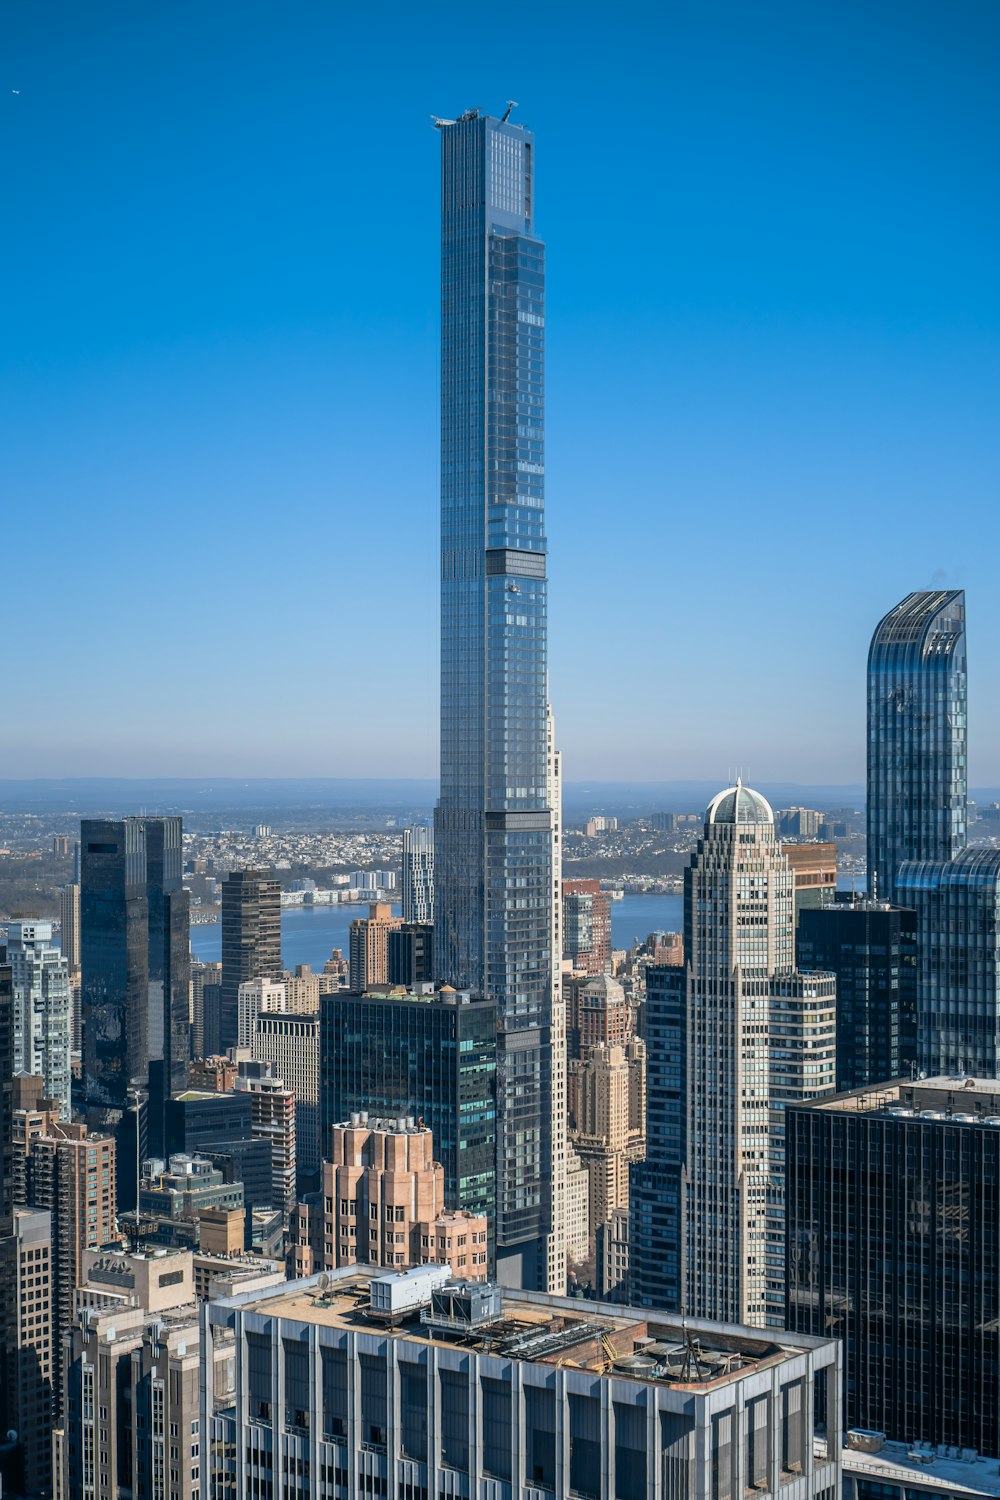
{"points": [[739, 804]]}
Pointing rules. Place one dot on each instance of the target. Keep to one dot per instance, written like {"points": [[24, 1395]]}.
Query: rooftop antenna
{"points": [[511, 104]]}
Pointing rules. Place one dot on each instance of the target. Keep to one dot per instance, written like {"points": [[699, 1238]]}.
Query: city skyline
{"points": [[802, 344]]}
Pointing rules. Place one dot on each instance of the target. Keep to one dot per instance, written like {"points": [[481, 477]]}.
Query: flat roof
{"points": [[604, 1339], [949, 1096], [910, 1464]]}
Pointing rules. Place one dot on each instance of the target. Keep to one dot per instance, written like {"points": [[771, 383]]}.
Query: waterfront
{"points": [[309, 934]]}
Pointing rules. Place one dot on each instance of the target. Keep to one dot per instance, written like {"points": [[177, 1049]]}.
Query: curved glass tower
{"points": [[493, 837], [916, 736]]}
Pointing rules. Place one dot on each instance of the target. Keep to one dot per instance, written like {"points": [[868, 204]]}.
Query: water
{"points": [[310, 933]]}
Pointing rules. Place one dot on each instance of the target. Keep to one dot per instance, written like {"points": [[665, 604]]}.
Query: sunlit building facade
{"points": [[493, 824], [917, 767]]}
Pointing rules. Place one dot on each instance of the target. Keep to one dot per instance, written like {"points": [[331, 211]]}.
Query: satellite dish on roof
{"points": [[323, 1281]]}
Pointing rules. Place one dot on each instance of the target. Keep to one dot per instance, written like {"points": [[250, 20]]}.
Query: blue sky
{"points": [[773, 374]]}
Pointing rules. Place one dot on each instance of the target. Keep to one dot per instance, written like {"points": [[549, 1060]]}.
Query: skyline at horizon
{"points": [[808, 314]]}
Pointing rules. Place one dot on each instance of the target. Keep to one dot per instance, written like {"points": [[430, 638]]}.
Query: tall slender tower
{"points": [[493, 824], [917, 770]]}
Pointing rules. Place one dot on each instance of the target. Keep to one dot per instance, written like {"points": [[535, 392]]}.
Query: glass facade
{"points": [[872, 949], [893, 1245], [958, 961], [251, 941], [134, 952], [396, 1056], [493, 836], [917, 773]]}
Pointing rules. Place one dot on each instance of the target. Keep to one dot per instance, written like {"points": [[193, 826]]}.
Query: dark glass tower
{"points": [[916, 736], [134, 949], [893, 1243], [872, 948], [493, 828], [251, 940]]}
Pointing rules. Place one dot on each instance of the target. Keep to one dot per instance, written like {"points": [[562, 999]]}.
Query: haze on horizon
{"points": [[772, 380]]}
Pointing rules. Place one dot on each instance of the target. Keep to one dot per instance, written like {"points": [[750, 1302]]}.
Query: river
{"points": [[310, 933]]}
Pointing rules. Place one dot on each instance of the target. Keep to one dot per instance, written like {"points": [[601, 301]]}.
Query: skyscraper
{"points": [[42, 1018], [493, 825], [586, 926], [418, 875], [731, 1040], [135, 956], [369, 946], [917, 776], [251, 940]]}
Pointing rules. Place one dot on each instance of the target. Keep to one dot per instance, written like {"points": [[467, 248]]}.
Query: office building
{"points": [[69, 924], [206, 1008], [799, 823], [958, 978], [183, 1187], [871, 948], [493, 823], [251, 940], [731, 1039], [586, 943], [30, 1409], [917, 770], [135, 956], [479, 1392], [257, 997], [382, 1203], [11, 1458], [418, 875], [612, 1256], [410, 954], [291, 1045], [369, 946], [219, 1127], [273, 1120], [814, 874], [893, 1234], [426, 1053], [42, 1009]]}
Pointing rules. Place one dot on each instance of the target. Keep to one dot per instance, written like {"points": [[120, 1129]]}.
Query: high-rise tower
{"points": [[493, 825], [418, 875], [917, 774], [135, 956]]}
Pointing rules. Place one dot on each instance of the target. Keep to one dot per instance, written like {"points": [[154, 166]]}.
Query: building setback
{"points": [[426, 1053], [893, 1246], [509, 1396]]}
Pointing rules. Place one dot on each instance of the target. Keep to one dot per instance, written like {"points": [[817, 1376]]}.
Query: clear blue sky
{"points": [[773, 373]]}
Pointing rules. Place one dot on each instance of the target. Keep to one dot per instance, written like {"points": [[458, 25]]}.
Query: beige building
{"points": [[152, 1280], [291, 1045], [71, 1172], [257, 997], [369, 946], [382, 1203], [609, 1087], [577, 1201], [555, 1241], [31, 1373], [302, 991]]}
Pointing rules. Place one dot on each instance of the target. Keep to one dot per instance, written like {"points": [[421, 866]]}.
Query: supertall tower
{"points": [[917, 767], [493, 824]]}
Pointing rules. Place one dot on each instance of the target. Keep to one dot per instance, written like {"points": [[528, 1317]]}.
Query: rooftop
{"points": [[953, 1100], [739, 804], [903, 1464], [599, 1337]]}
